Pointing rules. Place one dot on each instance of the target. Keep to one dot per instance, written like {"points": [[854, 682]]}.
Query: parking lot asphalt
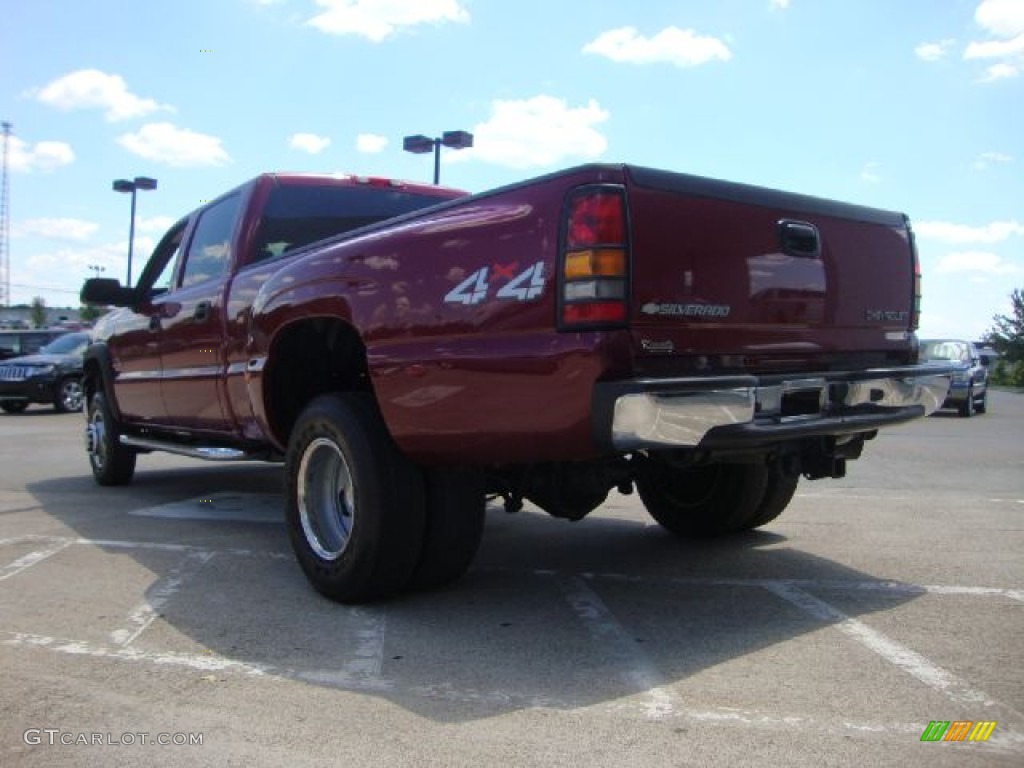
{"points": [[172, 610]]}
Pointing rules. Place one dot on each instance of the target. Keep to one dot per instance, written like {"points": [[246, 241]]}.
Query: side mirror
{"points": [[106, 292]]}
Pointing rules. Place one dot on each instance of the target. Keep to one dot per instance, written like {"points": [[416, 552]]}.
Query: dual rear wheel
{"points": [[366, 523], [716, 499]]}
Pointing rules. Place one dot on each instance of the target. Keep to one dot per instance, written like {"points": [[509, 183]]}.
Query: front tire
{"points": [[982, 405], [355, 504], [967, 407], [111, 462], [704, 501]]}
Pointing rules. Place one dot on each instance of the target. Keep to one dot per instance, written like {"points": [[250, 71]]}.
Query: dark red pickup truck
{"points": [[409, 350]]}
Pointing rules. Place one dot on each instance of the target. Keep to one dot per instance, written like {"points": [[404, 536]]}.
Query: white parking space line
{"points": [[146, 612], [33, 558], [362, 669], [637, 670], [910, 661], [202, 662], [1004, 740]]}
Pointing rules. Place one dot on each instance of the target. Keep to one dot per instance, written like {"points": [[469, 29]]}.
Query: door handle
{"points": [[202, 312], [800, 239]]}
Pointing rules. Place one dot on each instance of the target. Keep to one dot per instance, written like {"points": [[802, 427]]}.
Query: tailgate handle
{"points": [[800, 239]]}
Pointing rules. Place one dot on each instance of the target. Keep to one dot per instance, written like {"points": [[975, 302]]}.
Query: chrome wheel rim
{"points": [[326, 499], [71, 395], [96, 439]]}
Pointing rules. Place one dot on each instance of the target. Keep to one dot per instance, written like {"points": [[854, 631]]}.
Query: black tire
{"points": [[778, 492], [710, 500], [14, 406], [456, 503], [967, 406], [982, 405], [69, 395], [355, 505], [111, 462]]}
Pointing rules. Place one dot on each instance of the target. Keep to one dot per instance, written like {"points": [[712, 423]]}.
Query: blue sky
{"points": [[915, 105]]}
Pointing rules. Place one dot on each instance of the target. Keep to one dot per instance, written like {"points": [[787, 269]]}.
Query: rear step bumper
{"points": [[747, 411]]}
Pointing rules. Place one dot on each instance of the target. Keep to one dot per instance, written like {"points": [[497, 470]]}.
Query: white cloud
{"points": [[93, 89], [59, 273], [987, 159], [977, 262], [995, 49], [55, 229], [536, 132], [961, 234], [41, 156], [779, 5], [371, 143], [158, 224], [1003, 20], [934, 51], [682, 47], [377, 20], [869, 173], [309, 142], [178, 147], [1001, 71]]}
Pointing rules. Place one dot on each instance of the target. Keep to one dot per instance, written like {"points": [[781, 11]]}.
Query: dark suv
{"points": [[968, 391], [22, 342], [52, 375]]}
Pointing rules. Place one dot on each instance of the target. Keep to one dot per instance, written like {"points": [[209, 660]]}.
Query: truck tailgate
{"points": [[746, 278]]}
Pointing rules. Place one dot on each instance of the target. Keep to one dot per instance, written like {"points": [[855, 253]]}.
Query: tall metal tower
{"points": [[5, 226]]}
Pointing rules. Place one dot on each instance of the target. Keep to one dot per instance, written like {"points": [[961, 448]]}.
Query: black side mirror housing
{"points": [[106, 292]]}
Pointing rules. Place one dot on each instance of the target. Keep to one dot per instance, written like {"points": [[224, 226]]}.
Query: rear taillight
{"points": [[593, 274], [915, 312]]}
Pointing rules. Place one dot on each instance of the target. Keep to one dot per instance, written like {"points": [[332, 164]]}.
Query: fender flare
{"points": [[99, 353]]}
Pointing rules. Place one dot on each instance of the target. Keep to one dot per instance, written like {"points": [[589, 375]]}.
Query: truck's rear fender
{"points": [[299, 354]]}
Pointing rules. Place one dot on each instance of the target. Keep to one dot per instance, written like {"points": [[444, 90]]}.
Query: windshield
{"points": [[945, 350], [69, 344]]}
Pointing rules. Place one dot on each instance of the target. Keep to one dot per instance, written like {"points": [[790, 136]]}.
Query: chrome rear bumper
{"points": [[736, 411]]}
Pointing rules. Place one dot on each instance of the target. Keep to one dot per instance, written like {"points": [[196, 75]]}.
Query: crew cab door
{"points": [[192, 323], [134, 342]]}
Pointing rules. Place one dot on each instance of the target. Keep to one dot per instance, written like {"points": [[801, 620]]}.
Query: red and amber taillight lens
{"points": [[593, 276]]}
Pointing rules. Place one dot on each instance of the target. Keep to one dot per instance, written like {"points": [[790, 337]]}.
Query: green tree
{"points": [[1007, 332], [38, 313], [89, 313]]}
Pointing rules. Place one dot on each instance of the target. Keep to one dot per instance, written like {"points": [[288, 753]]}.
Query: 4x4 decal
{"points": [[528, 284]]}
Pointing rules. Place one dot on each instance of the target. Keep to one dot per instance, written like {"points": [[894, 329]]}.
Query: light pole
{"points": [[96, 269], [124, 185], [420, 145]]}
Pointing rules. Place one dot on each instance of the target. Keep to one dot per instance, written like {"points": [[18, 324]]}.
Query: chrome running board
{"points": [[205, 452]]}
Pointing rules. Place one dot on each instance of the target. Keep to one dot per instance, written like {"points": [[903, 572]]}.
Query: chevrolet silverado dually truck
{"points": [[409, 351]]}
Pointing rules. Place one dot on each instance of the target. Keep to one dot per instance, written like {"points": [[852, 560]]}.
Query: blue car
{"points": [[968, 392]]}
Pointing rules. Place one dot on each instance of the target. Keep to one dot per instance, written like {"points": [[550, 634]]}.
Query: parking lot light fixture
{"points": [[420, 145], [144, 183]]}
